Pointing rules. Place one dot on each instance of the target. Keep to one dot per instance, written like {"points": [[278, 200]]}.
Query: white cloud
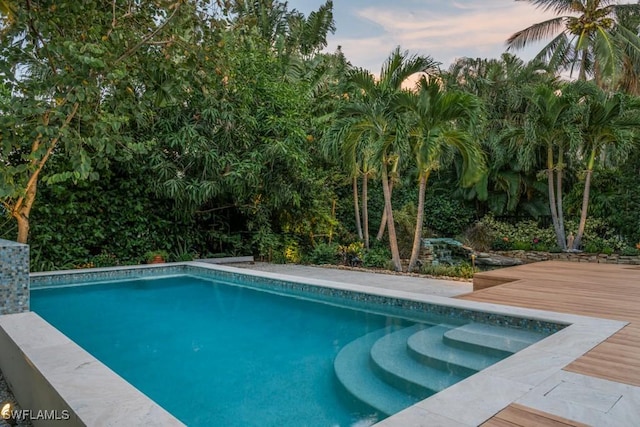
{"points": [[470, 29]]}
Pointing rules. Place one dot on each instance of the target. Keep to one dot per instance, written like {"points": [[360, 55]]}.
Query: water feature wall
{"points": [[14, 277], [441, 251]]}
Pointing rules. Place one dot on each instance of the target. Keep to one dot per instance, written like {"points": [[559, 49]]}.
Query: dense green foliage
{"points": [[207, 128]]}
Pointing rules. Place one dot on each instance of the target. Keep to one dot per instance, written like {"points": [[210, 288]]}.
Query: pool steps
{"points": [[430, 347], [490, 339], [351, 366], [391, 369], [392, 362]]}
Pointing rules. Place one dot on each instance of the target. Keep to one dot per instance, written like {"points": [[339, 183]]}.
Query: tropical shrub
{"points": [[377, 257], [323, 253], [446, 216], [405, 220], [463, 270], [528, 235], [521, 246], [104, 259], [629, 251], [503, 244]]}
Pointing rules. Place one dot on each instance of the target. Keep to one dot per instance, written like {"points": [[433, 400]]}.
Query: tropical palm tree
{"points": [[374, 123], [437, 126], [587, 35], [550, 131], [609, 128], [348, 141], [503, 85]]}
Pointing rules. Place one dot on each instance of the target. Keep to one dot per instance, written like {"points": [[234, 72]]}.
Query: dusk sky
{"points": [[368, 30]]}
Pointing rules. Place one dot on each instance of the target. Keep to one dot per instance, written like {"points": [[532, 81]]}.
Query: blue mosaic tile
{"points": [[14, 277]]}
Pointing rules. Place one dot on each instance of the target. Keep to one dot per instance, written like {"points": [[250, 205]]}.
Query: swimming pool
{"points": [[220, 349]]}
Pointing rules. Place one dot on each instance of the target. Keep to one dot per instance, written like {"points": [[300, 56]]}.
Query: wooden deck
{"points": [[596, 290], [517, 415]]}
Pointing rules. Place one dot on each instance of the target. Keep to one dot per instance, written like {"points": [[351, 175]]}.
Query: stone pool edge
{"points": [[49, 372], [468, 403]]}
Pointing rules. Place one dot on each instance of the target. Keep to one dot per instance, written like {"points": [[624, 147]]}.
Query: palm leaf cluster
{"points": [[384, 129], [590, 38]]}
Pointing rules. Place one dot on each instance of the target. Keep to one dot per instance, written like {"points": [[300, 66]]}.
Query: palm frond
{"points": [[558, 6], [536, 33]]}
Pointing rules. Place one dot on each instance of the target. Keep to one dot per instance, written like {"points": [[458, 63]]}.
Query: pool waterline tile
{"points": [[393, 302]]}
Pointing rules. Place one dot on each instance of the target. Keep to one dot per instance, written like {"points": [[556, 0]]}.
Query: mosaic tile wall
{"points": [[14, 277]]}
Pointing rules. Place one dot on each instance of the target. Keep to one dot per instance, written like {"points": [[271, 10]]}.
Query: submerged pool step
{"points": [[428, 347], [495, 340], [353, 370], [392, 362]]}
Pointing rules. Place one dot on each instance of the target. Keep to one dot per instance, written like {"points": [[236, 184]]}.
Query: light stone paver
{"points": [[418, 285]]}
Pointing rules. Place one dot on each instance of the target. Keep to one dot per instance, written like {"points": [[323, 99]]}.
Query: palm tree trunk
{"points": [[356, 207], [559, 202], [585, 201], [583, 213], [417, 237], [365, 208], [582, 75], [393, 240], [383, 221], [552, 201]]}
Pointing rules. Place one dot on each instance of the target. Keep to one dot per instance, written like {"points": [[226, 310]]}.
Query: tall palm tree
{"points": [[374, 122], [549, 133], [609, 128], [587, 35], [438, 123], [348, 140]]}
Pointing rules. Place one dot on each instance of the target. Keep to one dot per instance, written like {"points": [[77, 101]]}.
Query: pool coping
{"points": [[467, 403]]}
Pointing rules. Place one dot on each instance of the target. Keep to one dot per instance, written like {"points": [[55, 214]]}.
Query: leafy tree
{"points": [[63, 61], [587, 36], [239, 141], [437, 127], [289, 31]]}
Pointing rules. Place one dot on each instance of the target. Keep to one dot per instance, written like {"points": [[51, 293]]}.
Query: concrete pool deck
{"points": [[413, 284]]}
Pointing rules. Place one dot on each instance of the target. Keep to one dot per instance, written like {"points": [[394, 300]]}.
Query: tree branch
{"points": [[146, 39], [34, 176], [38, 37]]}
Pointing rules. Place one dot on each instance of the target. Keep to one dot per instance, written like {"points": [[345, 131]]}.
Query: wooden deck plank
{"points": [[519, 415], [597, 290]]}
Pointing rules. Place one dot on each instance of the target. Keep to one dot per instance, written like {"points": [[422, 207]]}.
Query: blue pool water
{"points": [[215, 354]]}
